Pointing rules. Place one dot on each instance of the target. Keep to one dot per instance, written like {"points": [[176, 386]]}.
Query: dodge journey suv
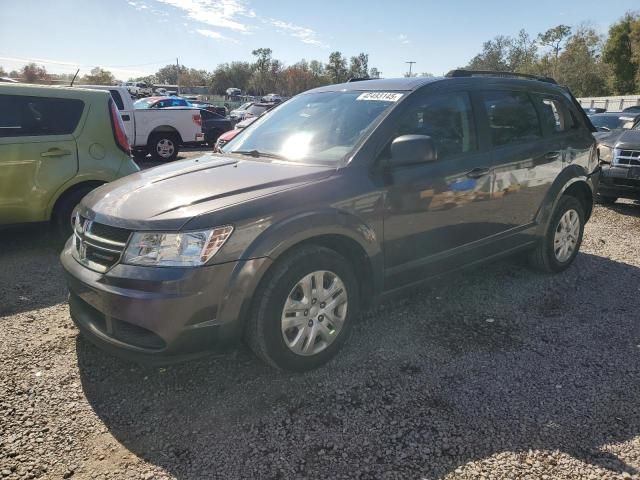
{"points": [[335, 199]]}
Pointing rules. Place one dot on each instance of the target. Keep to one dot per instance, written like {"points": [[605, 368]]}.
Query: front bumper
{"points": [[619, 181], [160, 315]]}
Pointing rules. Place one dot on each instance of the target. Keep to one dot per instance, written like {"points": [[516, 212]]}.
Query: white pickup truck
{"points": [[158, 131]]}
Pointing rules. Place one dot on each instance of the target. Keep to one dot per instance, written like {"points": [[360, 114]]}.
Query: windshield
{"points": [[608, 121], [314, 128]]}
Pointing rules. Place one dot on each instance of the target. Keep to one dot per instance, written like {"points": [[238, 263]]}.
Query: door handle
{"points": [[478, 172], [552, 155], [126, 118], [55, 152]]}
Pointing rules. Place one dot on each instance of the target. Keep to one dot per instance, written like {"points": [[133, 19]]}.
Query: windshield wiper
{"points": [[258, 154]]}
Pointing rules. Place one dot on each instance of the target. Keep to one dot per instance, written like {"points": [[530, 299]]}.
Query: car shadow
{"points": [[484, 362], [31, 276], [627, 208]]}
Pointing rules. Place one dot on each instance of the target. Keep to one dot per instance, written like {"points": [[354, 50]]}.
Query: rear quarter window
{"points": [[38, 116], [115, 94]]}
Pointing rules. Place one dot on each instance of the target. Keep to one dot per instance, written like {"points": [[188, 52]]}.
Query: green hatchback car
{"points": [[56, 145]]}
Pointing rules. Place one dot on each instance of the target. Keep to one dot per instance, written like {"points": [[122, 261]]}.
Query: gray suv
{"points": [[333, 200]]}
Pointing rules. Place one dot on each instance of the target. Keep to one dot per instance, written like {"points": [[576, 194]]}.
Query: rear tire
{"points": [[62, 215], [324, 314], [603, 200], [164, 146], [560, 245]]}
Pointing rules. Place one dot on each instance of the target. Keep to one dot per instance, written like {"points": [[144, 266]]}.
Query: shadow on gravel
{"points": [[629, 209], [30, 273], [490, 361]]}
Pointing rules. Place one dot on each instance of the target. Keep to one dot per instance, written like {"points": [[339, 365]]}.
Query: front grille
{"points": [[98, 246], [627, 157]]}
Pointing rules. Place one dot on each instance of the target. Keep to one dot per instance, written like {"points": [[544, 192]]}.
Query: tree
{"points": [[619, 54], [374, 73], [580, 66], [32, 73], [98, 76], [359, 66], [168, 74], [337, 68], [554, 38], [228, 75], [190, 77], [262, 79], [2, 72], [522, 53], [494, 55]]}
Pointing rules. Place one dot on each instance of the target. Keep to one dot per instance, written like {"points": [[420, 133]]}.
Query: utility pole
{"points": [[178, 75], [410, 65]]}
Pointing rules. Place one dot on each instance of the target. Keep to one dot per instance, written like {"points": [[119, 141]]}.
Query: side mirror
{"points": [[604, 129], [412, 149]]}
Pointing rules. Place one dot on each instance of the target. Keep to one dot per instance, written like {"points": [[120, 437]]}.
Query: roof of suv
{"points": [[403, 84], [414, 83]]}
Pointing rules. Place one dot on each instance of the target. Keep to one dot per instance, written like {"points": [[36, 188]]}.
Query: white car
{"points": [[138, 89], [158, 131]]}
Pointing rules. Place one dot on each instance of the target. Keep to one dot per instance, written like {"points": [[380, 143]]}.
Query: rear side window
{"points": [[115, 94], [25, 116], [512, 117], [554, 115], [447, 119]]}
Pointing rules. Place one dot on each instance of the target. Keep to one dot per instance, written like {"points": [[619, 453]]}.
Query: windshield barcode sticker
{"points": [[380, 96]]}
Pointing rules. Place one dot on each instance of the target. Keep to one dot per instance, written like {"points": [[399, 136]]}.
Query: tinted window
{"points": [[117, 98], [447, 119], [22, 115], [512, 117]]}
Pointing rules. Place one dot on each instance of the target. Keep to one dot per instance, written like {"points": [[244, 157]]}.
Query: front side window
{"points": [[25, 115], [512, 117], [318, 128], [447, 119]]}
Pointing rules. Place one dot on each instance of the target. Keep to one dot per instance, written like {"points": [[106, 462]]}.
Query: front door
{"points": [[437, 214]]}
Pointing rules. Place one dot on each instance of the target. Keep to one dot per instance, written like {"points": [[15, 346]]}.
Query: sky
{"points": [[136, 37]]}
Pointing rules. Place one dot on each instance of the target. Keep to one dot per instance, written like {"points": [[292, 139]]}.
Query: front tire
{"points": [[164, 146], [304, 309], [559, 247]]}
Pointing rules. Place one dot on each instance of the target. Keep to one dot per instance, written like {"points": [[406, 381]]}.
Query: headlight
{"points": [[186, 249], [605, 154]]}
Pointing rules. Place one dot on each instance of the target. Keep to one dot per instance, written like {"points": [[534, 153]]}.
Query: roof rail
{"points": [[461, 73], [360, 79]]}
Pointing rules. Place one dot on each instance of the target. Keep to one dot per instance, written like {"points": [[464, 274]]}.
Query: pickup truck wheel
{"points": [[163, 146], [602, 200], [561, 243], [305, 309]]}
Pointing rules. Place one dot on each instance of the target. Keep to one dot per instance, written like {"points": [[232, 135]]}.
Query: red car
{"points": [[231, 134]]}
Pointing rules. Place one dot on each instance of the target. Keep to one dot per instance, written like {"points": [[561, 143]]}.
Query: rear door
{"points": [[38, 153], [526, 159]]}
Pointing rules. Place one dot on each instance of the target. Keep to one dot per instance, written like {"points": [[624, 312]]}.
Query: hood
{"points": [[629, 139], [619, 138], [168, 196]]}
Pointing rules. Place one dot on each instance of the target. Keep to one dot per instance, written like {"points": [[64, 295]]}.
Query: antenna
{"points": [[74, 77]]}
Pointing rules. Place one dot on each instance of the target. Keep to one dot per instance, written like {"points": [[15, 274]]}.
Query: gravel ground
{"points": [[494, 373]]}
